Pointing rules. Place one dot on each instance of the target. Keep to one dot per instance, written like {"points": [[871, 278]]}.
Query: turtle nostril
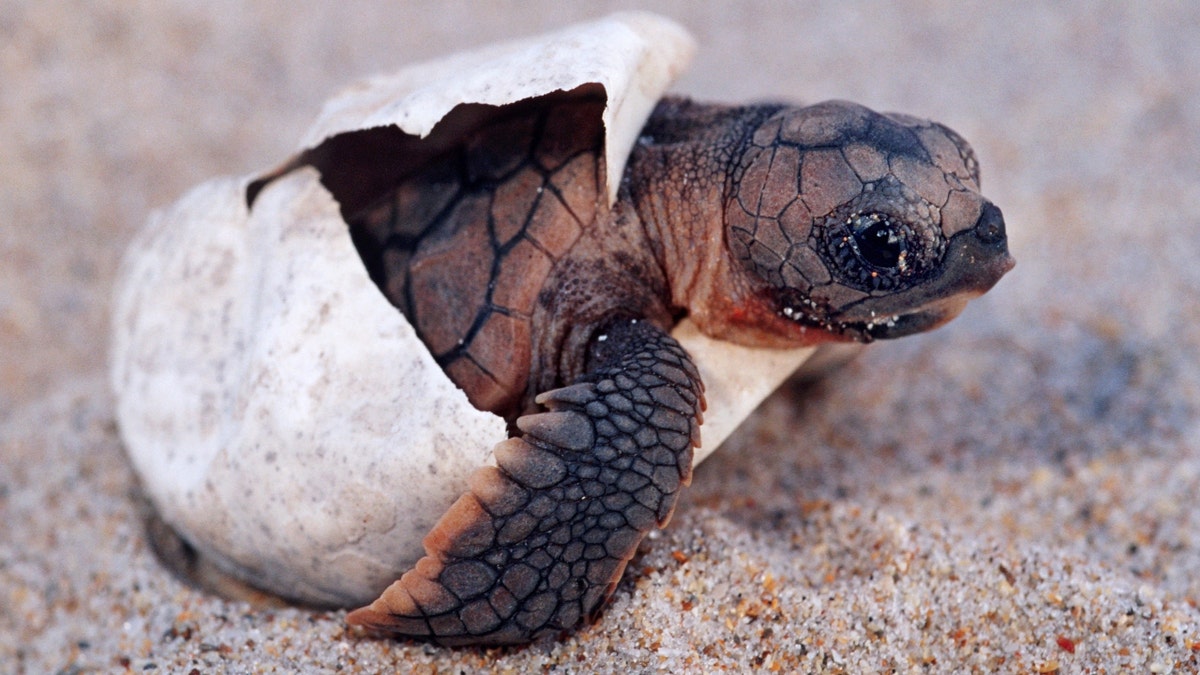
{"points": [[990, 226]]}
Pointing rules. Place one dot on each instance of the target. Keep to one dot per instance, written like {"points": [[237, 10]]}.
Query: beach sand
{"points": [[1017, 492]]}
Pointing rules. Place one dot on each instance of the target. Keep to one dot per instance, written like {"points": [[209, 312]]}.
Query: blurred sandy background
{"points": [[1019, 492]]}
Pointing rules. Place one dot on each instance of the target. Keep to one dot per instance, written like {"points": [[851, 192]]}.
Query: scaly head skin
{"points": [[839, 223]]}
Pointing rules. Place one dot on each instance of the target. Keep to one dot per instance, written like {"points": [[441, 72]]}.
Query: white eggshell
{"points": [[736, 380], [278, 410], [634, 55], [281, 414]]}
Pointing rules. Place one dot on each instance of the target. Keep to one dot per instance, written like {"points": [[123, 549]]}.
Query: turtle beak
{"points": [[983, 255], [925, 319], [975, 260]]}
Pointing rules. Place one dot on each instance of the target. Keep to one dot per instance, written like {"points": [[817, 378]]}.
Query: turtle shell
{"points": [[482, 210]]}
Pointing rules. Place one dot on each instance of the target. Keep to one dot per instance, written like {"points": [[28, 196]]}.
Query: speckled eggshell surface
{"points": [[281, 414]]}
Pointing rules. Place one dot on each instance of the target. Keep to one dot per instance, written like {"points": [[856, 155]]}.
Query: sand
{"points": [[1017, 492]]}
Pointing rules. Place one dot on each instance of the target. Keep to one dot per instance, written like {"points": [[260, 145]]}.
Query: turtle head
{"points": [[849, 224]]}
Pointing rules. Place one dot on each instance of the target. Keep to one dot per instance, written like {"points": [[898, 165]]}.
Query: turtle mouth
{"points": [[975, 260], [886, 326], [901, 325]]}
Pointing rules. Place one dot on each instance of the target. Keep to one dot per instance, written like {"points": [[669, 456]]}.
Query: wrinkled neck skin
{"points": [[678, 182], [660, 252]]}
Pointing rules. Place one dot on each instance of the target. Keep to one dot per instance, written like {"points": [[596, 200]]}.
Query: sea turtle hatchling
{"points": [[548, 294]]}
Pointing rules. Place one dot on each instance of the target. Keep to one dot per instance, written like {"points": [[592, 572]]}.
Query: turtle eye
{"points": [[876, 251], [877, 241]]}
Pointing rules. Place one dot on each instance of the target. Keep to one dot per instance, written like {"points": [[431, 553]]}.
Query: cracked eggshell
{"points": [[277, 409], [283, 417]]}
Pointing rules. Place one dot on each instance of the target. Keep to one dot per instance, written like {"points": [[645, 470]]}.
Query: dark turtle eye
{"points": [[877, 241], [886, 239], [875, 251]]}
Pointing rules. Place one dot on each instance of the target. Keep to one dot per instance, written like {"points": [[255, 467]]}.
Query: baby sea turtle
{"points": [[548, 292], [768, 225]]}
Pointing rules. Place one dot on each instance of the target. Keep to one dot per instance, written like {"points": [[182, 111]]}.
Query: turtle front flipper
{"points": [[538, 544]]}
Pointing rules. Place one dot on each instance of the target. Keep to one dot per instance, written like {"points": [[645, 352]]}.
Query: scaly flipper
{"points": [[537, 545]]}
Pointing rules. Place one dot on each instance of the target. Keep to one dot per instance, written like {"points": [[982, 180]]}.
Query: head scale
{"points": [[852, 224]]}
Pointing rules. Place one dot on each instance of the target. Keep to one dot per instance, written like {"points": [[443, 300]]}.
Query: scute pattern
{"points": [[499, 209], [538, 544]]}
